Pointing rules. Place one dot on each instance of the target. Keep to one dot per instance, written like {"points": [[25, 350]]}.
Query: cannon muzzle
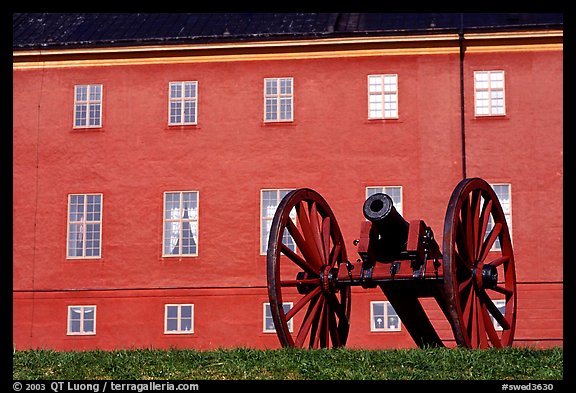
{"points": [[390, 226]]}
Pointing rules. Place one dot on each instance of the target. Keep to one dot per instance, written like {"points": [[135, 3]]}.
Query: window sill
{"points": [[81, 130], [383, 121], [177, 258], [80, 334], [84, 259], [287, 123], [491, 117], [179, 333], [182, 127]]}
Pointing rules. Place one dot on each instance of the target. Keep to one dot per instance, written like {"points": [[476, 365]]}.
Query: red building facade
{"points": [[108, 141]]}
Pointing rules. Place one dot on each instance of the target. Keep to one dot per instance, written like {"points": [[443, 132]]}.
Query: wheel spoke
{"points": [[474, 323], [499, 261], [468, 307], [326, 326], [481, 327], [464, 284], [467, 222], [326, 237], [335, 254], [315, 333], [336, 306], [503, 290], [484, 219], [302, 302], [489, 242], [474, 218], [489, 328], [316, 230], [311, 316], [463, 262], [494, 311], [333, 327], [298, 260], [310, 234], [294, 283], [463, 247], [304, 246]]}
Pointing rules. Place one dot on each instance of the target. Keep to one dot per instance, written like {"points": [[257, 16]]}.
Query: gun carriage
{"points": [[307, 264]]}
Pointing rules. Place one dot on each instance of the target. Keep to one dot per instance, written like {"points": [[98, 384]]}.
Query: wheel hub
{"points": [[328, 279], [489, 276], [486, 276]]}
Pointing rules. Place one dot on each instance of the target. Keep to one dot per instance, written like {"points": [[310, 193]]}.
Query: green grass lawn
{"points": [[292, 364]]}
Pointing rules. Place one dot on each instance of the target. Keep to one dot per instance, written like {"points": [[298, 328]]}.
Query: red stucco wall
{"points": [[231, 155]]}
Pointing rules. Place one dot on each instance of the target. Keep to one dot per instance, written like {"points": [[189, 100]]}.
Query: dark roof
{"points": [[57, 30]]}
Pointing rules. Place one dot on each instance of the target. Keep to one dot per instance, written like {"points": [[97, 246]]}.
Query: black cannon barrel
{"points": [[391, 226]]}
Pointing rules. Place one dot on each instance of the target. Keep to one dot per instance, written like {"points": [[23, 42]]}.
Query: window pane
{"points": [[190, 112], [88, 326], [171, 311], [390, 83], [74, 326], [285, 86], [175, 90], [186, 325], [186, 311], [171, 325], [271, 86], [175, 112], [81, 93], [190, 90], [189, 238]]}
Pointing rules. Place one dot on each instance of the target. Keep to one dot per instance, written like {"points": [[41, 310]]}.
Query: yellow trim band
{"points": [[287, 50]]}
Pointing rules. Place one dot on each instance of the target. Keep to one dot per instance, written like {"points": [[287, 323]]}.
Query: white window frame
{"points": [[387, 95], [180, 224], [484, 91], [88, 103], [84, 223], [266, 219], [506, 208], [179, 329], [267, 317], [391, 191], [278, 99], [182, 100], [386, 327], [83, 311]]}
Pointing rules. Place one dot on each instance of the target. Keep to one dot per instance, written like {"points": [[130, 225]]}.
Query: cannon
{"points": [[308, 269]]}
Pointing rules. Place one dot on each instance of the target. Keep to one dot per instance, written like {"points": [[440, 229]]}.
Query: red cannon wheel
{"points": [[305, 250], [479, 272]]}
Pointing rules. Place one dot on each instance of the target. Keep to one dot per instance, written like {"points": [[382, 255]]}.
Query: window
{"points": [[394, 192], [501, 304], [178, 319], [278, 99], [180, 223], [383, 96], [269, 201], [183, 103], [84, 225], [504, 196], [269, 322], [81, 320], [87, 106], [383, 317], [489, 93]]}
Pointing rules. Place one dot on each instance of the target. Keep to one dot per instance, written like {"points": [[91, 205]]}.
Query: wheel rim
{"points": [[479, 278], [307, 278]]}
